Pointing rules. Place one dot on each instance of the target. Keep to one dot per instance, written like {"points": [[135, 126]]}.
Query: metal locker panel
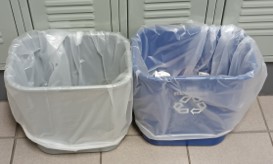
{"points": [[7, 30], [210, 11], [123, 17], [71, 14], [150, 12], [115, 15], [18, 16], [25, 13], [119, 16], [256, 17], [218, 12]]}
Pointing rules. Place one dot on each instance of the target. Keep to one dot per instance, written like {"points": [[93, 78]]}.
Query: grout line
{"points": [[13, 150], [245, 132], [14, 145], [17, 129], [9, 137], [133, 135], [100, 157], [20, 137], [254, 132], [268, 131], [188, 154]]}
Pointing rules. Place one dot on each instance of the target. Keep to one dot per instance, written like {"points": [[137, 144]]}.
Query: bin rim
{"points": [[245, 76], [13, 85]]}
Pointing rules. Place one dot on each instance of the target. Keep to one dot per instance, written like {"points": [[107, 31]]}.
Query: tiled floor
{"points": [[249, 143]]}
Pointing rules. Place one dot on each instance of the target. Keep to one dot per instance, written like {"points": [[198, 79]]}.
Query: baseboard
{"points": [[268, 85]]}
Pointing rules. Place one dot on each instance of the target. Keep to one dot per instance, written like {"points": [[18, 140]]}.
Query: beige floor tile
{"points": [[253, 120], [7, 123], [5, 150], [133, 131], [20, 132], [246, 148], [266, 103], [28, 153], [134, 150]]}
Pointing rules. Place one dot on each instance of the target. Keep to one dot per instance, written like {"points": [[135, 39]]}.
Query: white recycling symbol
{"points": [[180, 107]]}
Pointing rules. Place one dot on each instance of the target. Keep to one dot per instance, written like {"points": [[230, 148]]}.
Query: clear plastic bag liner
{"points": [[59, 58], [71, 90], [215, 75]]}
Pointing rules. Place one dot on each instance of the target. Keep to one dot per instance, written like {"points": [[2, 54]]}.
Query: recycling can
{"points": [[193, 83], [71, 91]]}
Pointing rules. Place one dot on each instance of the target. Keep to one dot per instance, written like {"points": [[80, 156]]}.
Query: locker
{"points": [[70, 14], [256, 17], [149, 12], [7, 30]]}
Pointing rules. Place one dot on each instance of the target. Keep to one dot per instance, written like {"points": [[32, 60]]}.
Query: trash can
{"points": [[71, 91], [193, 83]]}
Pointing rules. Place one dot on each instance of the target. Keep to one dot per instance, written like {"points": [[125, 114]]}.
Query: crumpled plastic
{"points": [[214, 75]]}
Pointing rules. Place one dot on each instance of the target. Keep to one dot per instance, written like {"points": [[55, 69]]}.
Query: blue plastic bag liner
{"points": [[193, 81], [71, 91]]}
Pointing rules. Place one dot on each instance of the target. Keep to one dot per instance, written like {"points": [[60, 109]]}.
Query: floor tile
{"points": [[133, 131], [253, 120], [28, 153], [7, 123], [266, 103], [5, 150], [250, 148], [135, 150], [20, 132]]}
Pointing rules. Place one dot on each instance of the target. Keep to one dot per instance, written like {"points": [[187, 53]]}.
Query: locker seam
{"points": [[206, 13], [30, 14], [14, 17], [119, 18], [127, 20], [223, 12], [111, 15], [214, 13]]}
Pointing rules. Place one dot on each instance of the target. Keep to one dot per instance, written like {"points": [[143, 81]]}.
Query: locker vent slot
{"points": [[1, 38], [70, 14], [166, 12], [256, 17]]}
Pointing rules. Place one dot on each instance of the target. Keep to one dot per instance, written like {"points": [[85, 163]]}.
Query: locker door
{"points": [[256, 17], [7, 30], [150, 12], [70, 14]]}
